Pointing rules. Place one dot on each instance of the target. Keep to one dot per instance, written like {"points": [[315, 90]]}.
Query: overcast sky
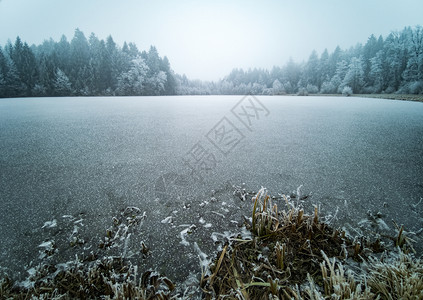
{"points": [[206, 39]]}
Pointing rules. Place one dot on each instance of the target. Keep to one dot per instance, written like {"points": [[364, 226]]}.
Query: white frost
{"points": [[167, 220], [47, 245], [50, 224]]}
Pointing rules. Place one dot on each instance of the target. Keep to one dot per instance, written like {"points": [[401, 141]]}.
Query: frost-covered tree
{"points": [[2, 85], [156, 83], [62, 84], [277, 88], [13, 85], [354, 77], [324, 67], [101, 67], [347, 91], [413, 74], [377, 74], [396, 58], [132, 82], [311, 74], [25, 63]]}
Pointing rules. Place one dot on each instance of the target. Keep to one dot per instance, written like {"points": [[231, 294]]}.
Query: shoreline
{"points": [[401, 97], [283, 248]]}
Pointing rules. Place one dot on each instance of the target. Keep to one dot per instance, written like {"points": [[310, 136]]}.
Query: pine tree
{"points": [[62, 84], [132, 83], [354, 77], [377, 74]]}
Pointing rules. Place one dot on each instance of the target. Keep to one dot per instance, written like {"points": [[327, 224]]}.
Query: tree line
{"points": [[93, 67], [83, 67], [391, 65]]}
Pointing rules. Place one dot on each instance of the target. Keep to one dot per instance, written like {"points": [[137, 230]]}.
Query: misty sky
{"points": [[206, 39]]}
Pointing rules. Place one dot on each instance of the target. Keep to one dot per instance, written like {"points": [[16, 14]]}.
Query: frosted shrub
{"points": [[414, 87], [328, 88], [347, 91], [302, 92], [312, 89]]}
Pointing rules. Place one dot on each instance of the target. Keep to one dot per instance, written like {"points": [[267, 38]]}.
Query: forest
{"points": [[94, 67]]}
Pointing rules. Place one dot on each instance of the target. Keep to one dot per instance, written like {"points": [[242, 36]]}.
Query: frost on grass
{"points": [[295, 255], [280, 251]]}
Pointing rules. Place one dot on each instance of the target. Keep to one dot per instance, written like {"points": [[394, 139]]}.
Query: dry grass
{"points": [[109, 278], [291, 255], [288, 258]]}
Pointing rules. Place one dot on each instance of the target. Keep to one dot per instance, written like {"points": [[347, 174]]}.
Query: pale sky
{"points": [[207, 39]]}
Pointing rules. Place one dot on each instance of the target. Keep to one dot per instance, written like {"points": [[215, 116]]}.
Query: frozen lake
{"points": [[89, 158]]}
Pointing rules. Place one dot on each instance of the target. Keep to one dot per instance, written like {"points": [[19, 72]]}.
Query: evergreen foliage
{"points": [[94, 67], [391, 65], [82, 67]]}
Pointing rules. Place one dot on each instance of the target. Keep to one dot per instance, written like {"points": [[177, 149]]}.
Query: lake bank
{"points": [[282, 249]]}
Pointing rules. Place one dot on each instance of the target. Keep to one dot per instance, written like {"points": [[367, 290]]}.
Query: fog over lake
{"points": [[92, 157]]}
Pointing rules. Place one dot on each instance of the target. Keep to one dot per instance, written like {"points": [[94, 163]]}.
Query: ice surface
{"points": [[94, 157]]}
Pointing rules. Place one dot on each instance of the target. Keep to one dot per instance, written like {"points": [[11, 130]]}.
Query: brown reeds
{"points": [[288, 258]]}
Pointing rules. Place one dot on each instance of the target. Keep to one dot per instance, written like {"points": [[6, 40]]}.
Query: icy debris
{"points": [[167, 220], [184, 233], [382, 225], [31, 271], [125, 247], [79, 222], [364, 223], [417, 204], [219, 214], [204, 261], [246, 234], [50, 224], [47, 245], [240, 192], [299, 191], [202, 221], [132, 210], [217, 236], [204, 203], [331, 218], [49, 248], [208, 225]]}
